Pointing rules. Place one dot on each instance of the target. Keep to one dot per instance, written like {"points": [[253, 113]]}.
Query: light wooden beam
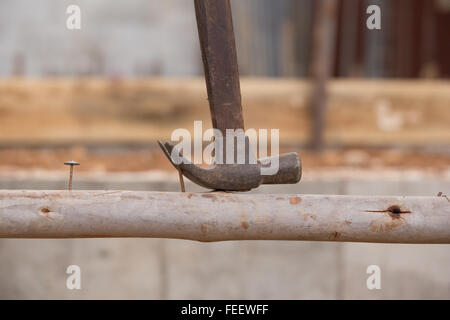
{"points": [[223, 216], [368, 112]]}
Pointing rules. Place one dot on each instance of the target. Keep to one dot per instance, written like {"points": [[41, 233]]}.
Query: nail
{"points": [[71, 163], [180, 175]]}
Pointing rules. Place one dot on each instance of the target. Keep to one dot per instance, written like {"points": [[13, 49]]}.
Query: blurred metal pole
{"points": [[324, 33], [220, 216]]}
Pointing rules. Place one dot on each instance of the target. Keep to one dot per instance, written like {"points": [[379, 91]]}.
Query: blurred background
{"points": [[367, 110]]}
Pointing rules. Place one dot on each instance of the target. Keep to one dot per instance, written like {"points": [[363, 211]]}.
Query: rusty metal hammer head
{"points": [[236, 177]]}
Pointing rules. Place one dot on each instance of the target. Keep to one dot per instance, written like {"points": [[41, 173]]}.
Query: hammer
{"points": [[215, 29]]}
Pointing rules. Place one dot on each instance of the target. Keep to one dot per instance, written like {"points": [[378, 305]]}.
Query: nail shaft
{"points": [[70, 178], [71, 163], [180, 175]]}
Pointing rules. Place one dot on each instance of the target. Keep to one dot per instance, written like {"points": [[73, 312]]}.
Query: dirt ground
{"points": [[133, 160]]}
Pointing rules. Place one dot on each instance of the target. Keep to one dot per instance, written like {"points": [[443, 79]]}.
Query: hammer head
{"points": [[238, 177]]}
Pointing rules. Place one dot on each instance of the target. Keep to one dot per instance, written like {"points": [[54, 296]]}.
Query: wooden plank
{"points": [[223, 216], [102, 111]]}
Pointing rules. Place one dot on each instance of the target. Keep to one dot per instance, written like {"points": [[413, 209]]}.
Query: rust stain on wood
{"points": [[395, 211], [385, 224], [45, 212], [210, 196], [335, 235], [347, 223], [394, 218], [53, 195], [132, 197], [295, 200], [105, 193], [309, 216]]}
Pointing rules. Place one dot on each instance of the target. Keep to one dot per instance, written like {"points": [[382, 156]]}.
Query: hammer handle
{"points": [[215, 29]]}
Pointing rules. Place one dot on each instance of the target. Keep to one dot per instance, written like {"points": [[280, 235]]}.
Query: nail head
{"points": [[71, 163]]}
